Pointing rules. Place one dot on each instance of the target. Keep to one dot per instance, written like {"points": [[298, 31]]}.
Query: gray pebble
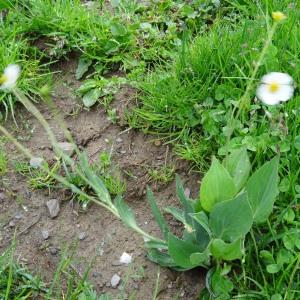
{"points": [[45, 234], [82, 236], [53, 207], [12, 224], [115, 280]]}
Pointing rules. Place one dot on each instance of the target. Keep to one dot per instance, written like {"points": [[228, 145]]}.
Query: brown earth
{"points": [[23, 210]]}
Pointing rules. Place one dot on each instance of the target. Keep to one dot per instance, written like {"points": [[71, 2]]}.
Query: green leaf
{"points": [[117, 29], [199, 259], [125, 212], [267, 257], [217, 186], [238, 165], [94, 181], [297, 142], [262, 188], [274, 268], [157, 214], [161, 258], [87, 86], [202, 219], [220, 285], [82, 68], [181, 251], [188, 208], [227, 251], [91, 97], [177, 213], [231, 219]]}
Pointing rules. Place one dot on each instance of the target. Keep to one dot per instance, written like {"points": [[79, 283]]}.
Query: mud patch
{"points": [[96, 234]]}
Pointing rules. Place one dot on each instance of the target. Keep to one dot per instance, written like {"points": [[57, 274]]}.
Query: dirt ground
{"points": [[96, 233]]}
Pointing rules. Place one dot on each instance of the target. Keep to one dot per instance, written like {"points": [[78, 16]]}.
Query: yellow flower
{"points": [[278, 16], [9, 77]]}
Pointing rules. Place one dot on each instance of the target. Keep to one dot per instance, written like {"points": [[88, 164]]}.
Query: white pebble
{"points": [[125, 258]]}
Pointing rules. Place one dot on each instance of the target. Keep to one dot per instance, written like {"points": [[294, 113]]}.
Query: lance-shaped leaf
{"points": [[216, 186], [157, 214], [262, 189]]}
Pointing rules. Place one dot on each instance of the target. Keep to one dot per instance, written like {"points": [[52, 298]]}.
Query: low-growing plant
{"points": [[37, 177]]}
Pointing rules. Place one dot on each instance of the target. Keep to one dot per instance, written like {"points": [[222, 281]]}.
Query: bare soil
{"points": [[23, 211]]}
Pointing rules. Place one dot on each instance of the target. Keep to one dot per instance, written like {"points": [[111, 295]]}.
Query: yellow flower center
{"points": [[278, 16], [3, 79], [274, 87]]}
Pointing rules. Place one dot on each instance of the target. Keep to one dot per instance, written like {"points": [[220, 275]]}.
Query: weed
{"points": [[163, 174], [38, 178]]}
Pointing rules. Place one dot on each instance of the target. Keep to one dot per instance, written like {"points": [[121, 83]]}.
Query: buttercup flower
{"points": [[275, 87], [278, 16], [9, 77]]}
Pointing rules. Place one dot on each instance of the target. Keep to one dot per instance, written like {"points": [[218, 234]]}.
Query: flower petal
{"points": [[11, 74], [265, 96], [278, 77], [285, 93]]}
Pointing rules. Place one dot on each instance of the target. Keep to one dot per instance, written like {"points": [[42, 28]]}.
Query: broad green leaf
{"points": [[274, 268], [87, 86], [199, 259], [262, 189], [181, 251], [220, 285], [82, 68], [157, 214], [91, 97], [267, 257], [226, 251], [231, 219], [238, 165], [117, 29], [217, 186]]}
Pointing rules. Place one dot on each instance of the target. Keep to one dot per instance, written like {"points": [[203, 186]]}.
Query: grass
{"points": [[191, 63]]}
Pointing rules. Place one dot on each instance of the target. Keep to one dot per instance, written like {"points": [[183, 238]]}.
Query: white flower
{"points": [[125, 258], [9, 77], [275, 87]]}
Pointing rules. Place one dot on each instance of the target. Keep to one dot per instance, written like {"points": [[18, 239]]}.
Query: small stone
{"points": [[115, 280], [12, 224], [119, 140], [82, 236], [36, 162], [18, 216], [123, 151], [53, 207], [67, 148], [45, 234], [125, 258]]}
